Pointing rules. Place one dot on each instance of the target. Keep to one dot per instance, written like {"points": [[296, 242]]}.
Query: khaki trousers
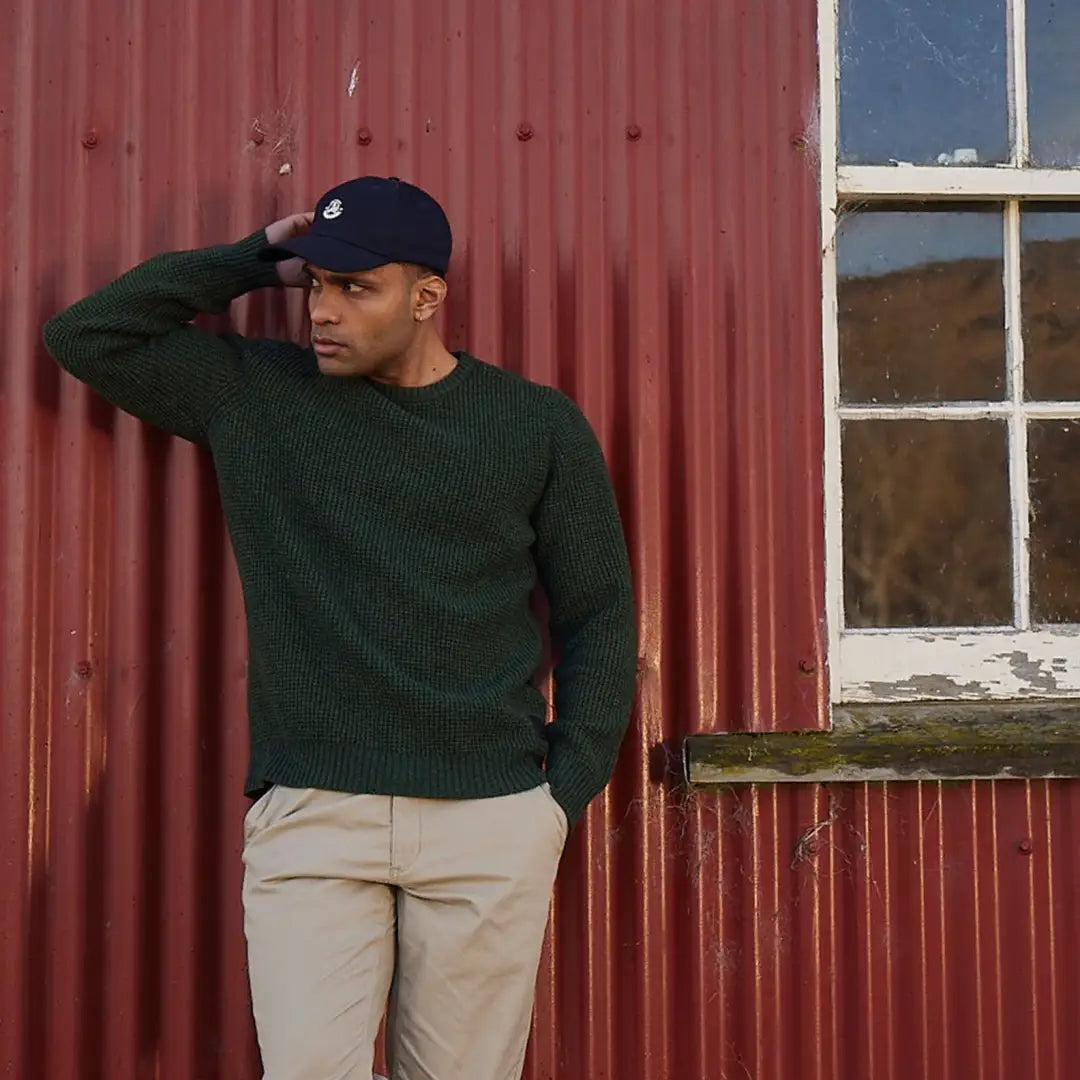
{"points": [[442, 905]]}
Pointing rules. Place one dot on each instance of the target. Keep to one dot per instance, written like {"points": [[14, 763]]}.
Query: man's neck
{"points": [[426, 363]]}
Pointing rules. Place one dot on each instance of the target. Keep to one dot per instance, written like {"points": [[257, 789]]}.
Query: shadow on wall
{"points": [[135, 876], [134, 839]]}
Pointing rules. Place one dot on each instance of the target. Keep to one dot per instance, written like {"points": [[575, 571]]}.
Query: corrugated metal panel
{"points": [[636, 210]]}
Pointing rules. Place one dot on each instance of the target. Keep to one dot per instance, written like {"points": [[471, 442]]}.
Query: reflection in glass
{"points": [[921, 306], [923, 81], [1054, 479], [1050, 303], [1053, 44], [927, 532]]}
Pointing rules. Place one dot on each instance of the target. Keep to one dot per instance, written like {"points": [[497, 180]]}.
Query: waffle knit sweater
{"points": [[388, 541]]}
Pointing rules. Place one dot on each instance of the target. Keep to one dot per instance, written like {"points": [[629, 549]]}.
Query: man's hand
{"points": [[289, 271]]}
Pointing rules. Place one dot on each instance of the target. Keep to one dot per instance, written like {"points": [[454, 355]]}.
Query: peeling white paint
{"points": [[866, 182], [353, 78], [1018, 81], [1019, 501], [970, 665], [828, 148], [957, 664]]}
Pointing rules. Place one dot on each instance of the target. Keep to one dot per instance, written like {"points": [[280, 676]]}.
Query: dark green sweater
{"points": [[388, 540]]}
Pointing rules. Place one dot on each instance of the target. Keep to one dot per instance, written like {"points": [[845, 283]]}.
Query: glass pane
{"points": [[927, 532], [1050, 302], [921, 306], [1054, 479], [1053, 44], [923, 81]]}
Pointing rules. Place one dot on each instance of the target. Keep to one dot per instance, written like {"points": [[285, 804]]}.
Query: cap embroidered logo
{"points": [[333, 209]]}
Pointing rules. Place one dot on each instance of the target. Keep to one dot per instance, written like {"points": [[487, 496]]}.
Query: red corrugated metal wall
{"points": [[633, 186]]}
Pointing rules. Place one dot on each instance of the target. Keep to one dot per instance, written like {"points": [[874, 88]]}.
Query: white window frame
{"points": [[953, 663]]}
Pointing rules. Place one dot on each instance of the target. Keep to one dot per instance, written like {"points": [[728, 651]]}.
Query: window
{"points": [[950, 138]]}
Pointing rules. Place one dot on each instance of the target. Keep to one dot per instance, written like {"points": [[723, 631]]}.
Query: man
{"points": [[391, 506]]}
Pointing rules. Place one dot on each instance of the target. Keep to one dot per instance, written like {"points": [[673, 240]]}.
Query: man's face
{"points": [[362, 323]]}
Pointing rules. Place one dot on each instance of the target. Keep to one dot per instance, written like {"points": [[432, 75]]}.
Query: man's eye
{"points": [[354, 287]]}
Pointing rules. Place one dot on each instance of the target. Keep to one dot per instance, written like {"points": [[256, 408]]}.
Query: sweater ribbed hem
{"points": [[347, 767]]}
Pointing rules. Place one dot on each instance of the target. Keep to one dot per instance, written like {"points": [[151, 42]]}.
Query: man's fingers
{"points": [[288, 227]]}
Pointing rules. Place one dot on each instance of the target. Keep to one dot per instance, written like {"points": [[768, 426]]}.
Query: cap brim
{"points": [[325, 252]]}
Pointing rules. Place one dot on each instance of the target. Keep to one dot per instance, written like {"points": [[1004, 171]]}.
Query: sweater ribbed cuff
{"points": [[251, 272]]}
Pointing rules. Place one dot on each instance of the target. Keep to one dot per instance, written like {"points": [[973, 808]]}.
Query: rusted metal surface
{"points": [[633, 189]]}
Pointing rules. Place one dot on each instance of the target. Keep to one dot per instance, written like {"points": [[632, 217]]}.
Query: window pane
{"points": [[1054, 478], [923, 81], [1050, 301], [1053, 43], [921, 306], [927, 531]]}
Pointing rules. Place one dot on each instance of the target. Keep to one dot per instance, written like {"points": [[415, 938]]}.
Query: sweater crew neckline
{"points": [[420, 394]]}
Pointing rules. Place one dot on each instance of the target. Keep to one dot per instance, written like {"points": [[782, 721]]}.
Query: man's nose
{"points": [[322, 311]]}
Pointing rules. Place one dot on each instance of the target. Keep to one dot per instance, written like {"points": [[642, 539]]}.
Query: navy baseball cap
{"points": [[369, 222]]}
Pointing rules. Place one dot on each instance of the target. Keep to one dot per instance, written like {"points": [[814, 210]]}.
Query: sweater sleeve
{"points": [[584, 569], [131, 340]]}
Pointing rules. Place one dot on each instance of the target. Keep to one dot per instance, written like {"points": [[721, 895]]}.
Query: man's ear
{"points": [[428, 296]]}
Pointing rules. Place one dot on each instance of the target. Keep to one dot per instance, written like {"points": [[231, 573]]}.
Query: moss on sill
{"points": [[917, 742]]}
